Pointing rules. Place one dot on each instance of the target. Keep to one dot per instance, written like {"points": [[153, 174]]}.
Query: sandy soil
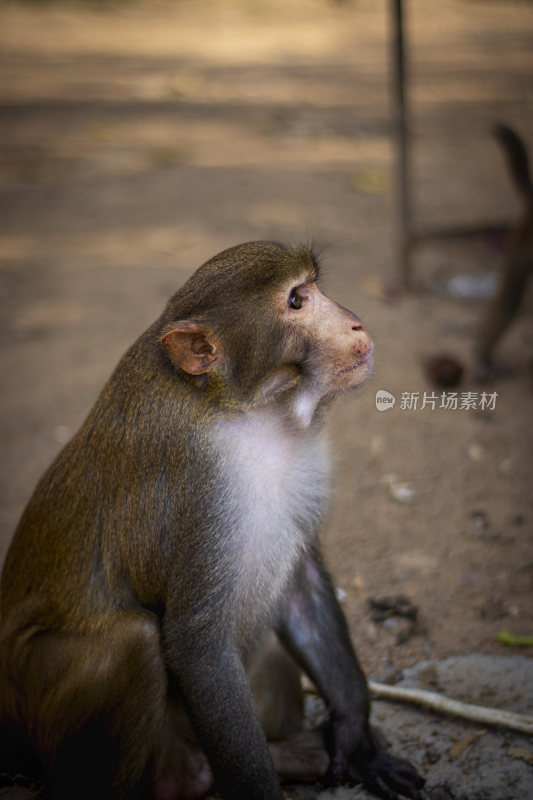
{"points": [[139, 139]]}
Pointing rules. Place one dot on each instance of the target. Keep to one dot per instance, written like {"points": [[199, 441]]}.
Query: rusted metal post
{"points": [[404, 232]]}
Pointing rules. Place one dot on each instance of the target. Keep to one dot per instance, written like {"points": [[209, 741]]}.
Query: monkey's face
{"points": [[251, 326], [331, 344]]}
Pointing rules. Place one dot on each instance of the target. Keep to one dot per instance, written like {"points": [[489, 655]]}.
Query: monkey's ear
{"points": [[191, 347]]}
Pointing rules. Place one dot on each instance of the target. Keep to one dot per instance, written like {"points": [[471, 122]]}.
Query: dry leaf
{"points": [[521, 752], [459, 747]]}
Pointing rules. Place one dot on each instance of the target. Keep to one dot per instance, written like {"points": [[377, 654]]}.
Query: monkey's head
{"points": [[252, 325]]}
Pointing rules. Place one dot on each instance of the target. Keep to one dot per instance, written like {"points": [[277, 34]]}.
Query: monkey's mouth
{"points": [[365, 361]]}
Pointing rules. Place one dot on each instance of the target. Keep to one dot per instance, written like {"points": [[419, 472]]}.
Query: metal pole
{"points": [[401, 136]]}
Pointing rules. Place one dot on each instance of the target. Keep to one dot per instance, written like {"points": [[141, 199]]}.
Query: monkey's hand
{"points": [[381, 773]]}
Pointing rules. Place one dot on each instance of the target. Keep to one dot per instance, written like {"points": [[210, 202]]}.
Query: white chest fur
{"points": [[277, 481]]}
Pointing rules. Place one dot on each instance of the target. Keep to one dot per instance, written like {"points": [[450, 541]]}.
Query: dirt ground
{"points": [[138, 139]]}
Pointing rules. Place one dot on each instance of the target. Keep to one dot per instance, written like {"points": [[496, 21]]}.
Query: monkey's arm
{"points": [[216, 693], [314, 630]]}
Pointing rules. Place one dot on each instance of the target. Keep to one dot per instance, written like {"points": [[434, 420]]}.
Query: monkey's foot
{"points": [[300, 757], [184, 774], [384, 775]]}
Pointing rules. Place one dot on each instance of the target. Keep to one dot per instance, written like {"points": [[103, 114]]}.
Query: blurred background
{"points": [[137, 139]]}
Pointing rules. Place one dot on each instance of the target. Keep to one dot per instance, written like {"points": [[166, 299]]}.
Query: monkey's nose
{"points": [[363, 343], [356, 323]]}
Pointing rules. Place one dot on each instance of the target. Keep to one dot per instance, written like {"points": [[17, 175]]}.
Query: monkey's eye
{"points": [[295, 300]]}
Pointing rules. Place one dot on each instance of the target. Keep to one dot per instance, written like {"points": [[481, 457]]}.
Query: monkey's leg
{"points": [[315, 632], [503, 308], [276, 686], [94, 704], [275, 678]]}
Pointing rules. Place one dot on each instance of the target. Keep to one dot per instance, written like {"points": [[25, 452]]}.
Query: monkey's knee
{"points": [[276, 685]]}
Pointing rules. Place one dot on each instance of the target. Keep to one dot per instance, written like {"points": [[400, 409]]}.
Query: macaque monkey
{"points": [[168, 564], [518, 261]]}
